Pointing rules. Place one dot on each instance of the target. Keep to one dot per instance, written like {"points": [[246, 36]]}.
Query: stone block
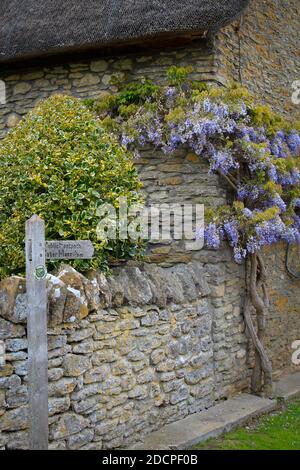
{"points": [[75, 365], [67, 425]]}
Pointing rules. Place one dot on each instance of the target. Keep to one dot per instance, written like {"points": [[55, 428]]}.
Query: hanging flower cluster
{"points": [[256, 151]]}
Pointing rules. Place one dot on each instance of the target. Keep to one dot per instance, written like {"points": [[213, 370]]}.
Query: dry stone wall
{"points": [[131, 352], [178, 179], [127, 354]]}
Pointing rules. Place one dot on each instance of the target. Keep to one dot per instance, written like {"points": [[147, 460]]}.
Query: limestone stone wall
{"points": [[141, 348], [127, 353], [283, 318], [93, 77], [183, 178], [152, 343], [180, 178], [264, 52]]}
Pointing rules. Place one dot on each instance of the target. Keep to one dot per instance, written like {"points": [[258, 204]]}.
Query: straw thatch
{"points": [[33, 28]]}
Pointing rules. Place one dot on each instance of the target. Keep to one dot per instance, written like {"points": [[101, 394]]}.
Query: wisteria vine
{"points": [[254, 150], [263, 170]]}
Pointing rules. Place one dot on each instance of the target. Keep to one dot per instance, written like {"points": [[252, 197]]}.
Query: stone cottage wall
{"points": [[184, 178], [283, 318], [264, 52], [93, 77]]}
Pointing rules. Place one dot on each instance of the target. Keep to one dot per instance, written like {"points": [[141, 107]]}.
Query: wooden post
{"points": [[37, 333]]}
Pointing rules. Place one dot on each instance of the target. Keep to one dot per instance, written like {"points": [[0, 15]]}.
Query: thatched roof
{"points": [[34, 28]]}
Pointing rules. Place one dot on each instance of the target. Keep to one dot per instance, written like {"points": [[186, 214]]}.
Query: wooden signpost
{"points": [[37, 251]]}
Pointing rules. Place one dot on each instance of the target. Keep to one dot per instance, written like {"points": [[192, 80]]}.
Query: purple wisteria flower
{"points": [[212, 236], [208, 127], [293, 141], [272, 173], [142, 140], [292, 235], [297, 222], [171, 92], [207, 106], [232, 232], [173, 142], [154, 136], [280, 135], [230, 126], [126, 140], [278, 202], [289, 179], [277, 147], [248, 134], [239, 255], [270, 232], [248, 213], [220, 111], [249, 191], [223, 162], [252, 245], [243, 111]]}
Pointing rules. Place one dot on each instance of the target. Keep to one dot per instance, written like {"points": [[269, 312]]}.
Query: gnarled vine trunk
{"points": [[261, 381]]}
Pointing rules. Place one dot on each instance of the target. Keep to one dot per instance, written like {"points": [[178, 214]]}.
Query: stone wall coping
{"points": [[72, 295]]}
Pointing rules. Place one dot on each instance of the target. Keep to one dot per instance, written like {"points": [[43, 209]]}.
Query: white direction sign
{"points": [[69, 249]]}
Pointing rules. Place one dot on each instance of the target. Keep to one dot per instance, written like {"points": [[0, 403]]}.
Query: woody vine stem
{"points": [[256, 296]]}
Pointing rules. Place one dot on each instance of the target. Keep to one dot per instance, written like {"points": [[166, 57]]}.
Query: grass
{"points": [[280, 431]]}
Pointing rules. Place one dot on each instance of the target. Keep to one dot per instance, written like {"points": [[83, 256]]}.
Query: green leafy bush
{"points": [[60, 164]]}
